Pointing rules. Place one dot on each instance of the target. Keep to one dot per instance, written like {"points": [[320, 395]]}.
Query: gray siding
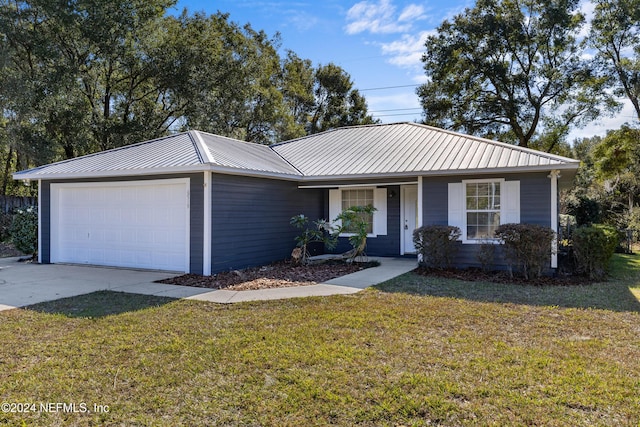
{"points": [[535, 208], [195, 219], [388, 245], [250, 219], [196, 223]]}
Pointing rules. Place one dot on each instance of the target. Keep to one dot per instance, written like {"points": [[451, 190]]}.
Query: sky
{"points": [[378, 42]]}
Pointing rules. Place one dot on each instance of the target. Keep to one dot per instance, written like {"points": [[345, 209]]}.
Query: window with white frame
{"points": [[345, 197], [482, 209], [359, 197]]}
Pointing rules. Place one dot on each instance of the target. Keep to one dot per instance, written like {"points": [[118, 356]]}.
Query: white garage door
{"points": [[139, 224]]}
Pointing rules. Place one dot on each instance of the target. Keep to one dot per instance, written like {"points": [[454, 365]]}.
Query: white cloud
{"points": [[407, 51], [599, 127], [380, 17], [587, 8], [413, 12], [302, 20]]}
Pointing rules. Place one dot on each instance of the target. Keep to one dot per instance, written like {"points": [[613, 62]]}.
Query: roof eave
{"points": [[256, 173], [484, 171], [33, 175]]}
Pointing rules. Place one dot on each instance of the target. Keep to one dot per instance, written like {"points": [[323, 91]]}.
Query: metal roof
{"points": [[234, 154], [176, 151], [409, 148], [183, 152], [400, 149]]}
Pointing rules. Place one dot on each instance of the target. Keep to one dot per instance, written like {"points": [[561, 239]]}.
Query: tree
{"points": [[615, 33], [511, 70], [298, 96], [88, 75], [336, 102], [78, 74], [617, 164]]}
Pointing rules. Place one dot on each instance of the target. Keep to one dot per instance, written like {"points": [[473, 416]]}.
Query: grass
{"points": [[412, 352]]}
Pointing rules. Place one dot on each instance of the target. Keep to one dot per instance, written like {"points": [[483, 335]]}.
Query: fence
{"points": [[9, 203]]}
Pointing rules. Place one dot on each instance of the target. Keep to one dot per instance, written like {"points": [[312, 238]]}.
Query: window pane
{"points": [[472, 218], [483, 209], [351, 198], [472, 203]]}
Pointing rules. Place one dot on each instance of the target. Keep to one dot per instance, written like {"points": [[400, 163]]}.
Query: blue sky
{"points": [[378, 42]]}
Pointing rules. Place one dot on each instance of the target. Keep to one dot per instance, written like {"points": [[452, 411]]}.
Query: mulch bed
{"points": [[277, 275], [479, 275]]}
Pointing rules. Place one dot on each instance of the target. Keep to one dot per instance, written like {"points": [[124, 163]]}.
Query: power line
{"points": [[389, 115], [397, 109], [388, 87]]}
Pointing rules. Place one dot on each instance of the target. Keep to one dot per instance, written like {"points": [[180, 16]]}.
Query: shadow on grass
{"points": [[99, 304], [614, 294]]}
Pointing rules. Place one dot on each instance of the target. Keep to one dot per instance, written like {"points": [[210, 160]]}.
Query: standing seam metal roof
{"points": [[406, 148], [400, 148]]}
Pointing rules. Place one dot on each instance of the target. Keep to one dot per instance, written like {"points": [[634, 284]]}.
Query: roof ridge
{"points": [[335, 130], [230, 138], [201, 148], [494, 142]]}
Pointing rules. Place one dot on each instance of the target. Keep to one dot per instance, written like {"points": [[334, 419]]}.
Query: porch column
{"points": [[554, 175], [206, 227], [420, 206]]}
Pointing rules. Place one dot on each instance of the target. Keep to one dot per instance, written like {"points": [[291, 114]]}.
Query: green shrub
{"points": [[593, 247], [5, 226], [320, 231], [527, 247], [354, 221], [486, 255], [436, 244], [24, 230]]}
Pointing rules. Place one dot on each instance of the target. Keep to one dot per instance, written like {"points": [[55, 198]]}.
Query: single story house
{"points": [[202, 203]]}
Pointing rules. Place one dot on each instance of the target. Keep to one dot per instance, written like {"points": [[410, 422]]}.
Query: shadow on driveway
{"points": [[100, 304]]}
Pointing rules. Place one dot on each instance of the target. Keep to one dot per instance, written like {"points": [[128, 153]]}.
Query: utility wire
{"points": [[396, 109], [388, 87], [389, 115]]}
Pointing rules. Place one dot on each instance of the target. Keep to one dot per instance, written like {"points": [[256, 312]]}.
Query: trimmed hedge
{"points": [[436, 244], [527, 247], [593, 247]]}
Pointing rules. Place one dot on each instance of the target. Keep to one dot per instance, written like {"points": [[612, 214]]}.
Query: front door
{"points": [[409, 217]]}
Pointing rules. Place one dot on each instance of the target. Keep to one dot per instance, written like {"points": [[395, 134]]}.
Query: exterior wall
{"points": [[195, 213], [535, 208], [250, 219], [388, 245]]}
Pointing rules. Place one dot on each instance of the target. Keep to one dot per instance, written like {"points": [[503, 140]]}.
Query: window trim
{"points": [[500, 181], [373, 218], [379, 216]]}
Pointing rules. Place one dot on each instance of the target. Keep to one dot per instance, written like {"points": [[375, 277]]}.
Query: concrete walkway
{"points": [[23, 284], [349, 284]]}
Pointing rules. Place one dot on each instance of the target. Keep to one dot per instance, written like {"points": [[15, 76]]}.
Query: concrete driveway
{"points": [[23, 284]]}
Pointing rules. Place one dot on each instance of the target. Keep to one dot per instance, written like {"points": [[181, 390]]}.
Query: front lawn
{"points": [[415, 351]]}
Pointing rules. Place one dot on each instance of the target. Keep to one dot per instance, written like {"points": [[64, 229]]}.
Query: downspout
{"points": [[554, 175]]}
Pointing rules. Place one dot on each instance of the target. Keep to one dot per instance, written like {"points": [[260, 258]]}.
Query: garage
{"points": [[137, 224]]}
